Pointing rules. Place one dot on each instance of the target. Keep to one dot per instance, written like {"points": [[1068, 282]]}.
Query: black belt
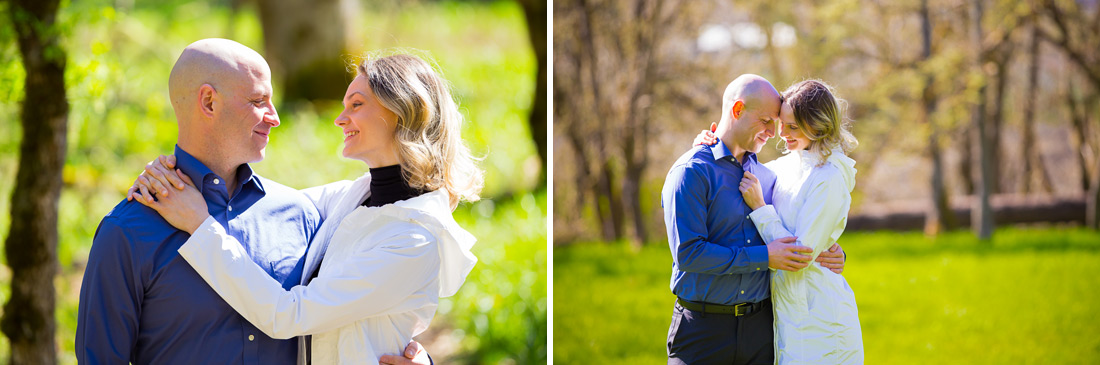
{"points": [[736, 310]]}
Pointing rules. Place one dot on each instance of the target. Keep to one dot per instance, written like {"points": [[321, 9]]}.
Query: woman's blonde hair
{"points": [[820, 116], [428, 135]]}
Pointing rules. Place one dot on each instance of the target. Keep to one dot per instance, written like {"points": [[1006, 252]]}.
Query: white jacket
{"points": [[816, 321], [379, 283]]}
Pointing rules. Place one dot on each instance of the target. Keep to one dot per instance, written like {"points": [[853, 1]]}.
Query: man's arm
{"points": [[110, 299], [684, 198]]}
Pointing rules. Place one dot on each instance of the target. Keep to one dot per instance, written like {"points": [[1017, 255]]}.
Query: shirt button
{"points": [[230, 208], [251, 337], [216, 181], [748, 241], [742, 292]]}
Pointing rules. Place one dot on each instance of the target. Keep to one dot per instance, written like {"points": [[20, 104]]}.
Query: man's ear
{"points": [[738, 107], [207, 98]]}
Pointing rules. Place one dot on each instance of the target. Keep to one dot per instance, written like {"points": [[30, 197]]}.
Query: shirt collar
{"points": [[719, 150], [198, 171]]}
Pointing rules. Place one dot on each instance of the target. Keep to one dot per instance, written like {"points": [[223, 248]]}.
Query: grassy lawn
{"points": [[1026, 297]]}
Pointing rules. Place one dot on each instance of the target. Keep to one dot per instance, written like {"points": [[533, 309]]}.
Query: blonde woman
{"points": [[816, 320], [388, 247]]}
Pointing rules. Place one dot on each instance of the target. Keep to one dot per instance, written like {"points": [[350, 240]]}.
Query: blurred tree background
{"points": [[118, 55], [979, 124], [968, 111]]}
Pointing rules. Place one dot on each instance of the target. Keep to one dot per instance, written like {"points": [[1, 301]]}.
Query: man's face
{"points": [[756, 125], [249, 114]]}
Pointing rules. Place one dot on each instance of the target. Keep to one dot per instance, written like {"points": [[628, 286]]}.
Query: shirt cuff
{"points": [[762, 213], [758, 257]]}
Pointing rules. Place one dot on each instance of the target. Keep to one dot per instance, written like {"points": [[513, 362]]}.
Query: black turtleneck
{"points": [[388, 185]]}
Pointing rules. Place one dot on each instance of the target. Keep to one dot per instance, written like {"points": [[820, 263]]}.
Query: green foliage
{"points": [[1025, 298], [117, 74], [503, 302]]}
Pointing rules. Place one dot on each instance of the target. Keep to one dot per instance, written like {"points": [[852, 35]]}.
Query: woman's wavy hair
{"points": [[820, 116], [429, 126]]}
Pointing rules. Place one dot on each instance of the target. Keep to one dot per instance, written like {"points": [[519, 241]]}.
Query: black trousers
{"points": [[709, 338]]}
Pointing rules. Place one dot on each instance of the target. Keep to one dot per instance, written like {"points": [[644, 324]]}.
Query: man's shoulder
{"points": [[699, 156], [133, 222], [693, 168], [282, 195]]}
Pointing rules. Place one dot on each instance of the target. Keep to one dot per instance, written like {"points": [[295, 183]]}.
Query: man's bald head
{"points": [[221, 63], [221, 93], [753, 90], [750, 106]]}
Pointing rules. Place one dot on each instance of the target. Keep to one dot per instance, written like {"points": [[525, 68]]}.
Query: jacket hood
{"points": [[433, 211], [845, 165]]}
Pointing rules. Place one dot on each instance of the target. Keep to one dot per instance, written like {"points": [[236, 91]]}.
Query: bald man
{"points": [[723, 312], [139, 301]]}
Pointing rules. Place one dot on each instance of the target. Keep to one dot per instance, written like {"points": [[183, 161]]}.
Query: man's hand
{"points": [[833, 259], [414, 355], [783, 254]]}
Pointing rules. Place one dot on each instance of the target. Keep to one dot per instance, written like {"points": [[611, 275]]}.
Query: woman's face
{"points": [[368, 126], [789, 130]]}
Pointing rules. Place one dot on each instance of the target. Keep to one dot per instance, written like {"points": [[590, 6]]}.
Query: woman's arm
{"points": [[769, 224], [389, 278], [327, 197]]}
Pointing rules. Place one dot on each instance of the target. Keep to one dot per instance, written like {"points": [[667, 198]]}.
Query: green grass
{"points": [[1029, 296]]}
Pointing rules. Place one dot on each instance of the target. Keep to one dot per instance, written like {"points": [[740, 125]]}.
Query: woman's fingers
{"points": [[130, 192], [186, 179], [158, 171], [158, 187], [145, 196], [169, 165]]}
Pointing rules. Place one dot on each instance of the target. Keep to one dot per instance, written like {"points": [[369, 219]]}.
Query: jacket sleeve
{"points": [[684, 199], [769, 224], [391, 277], [326, 197], [110, 299]]}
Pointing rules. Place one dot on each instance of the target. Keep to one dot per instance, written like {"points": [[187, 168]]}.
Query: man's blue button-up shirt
{"points": [[717, 255], [140, 302]]}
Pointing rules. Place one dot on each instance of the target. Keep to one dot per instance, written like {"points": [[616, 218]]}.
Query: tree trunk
{"points": [[305, 41], [939, 216], [966, 160], [1079, 118], [31, 246], [996, 122], [1034, 170], [609, 203], [1092, 201], [982, 215], [535, 13]]}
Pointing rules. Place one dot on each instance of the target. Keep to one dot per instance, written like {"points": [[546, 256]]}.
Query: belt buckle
{"points": [[737, 309]]}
